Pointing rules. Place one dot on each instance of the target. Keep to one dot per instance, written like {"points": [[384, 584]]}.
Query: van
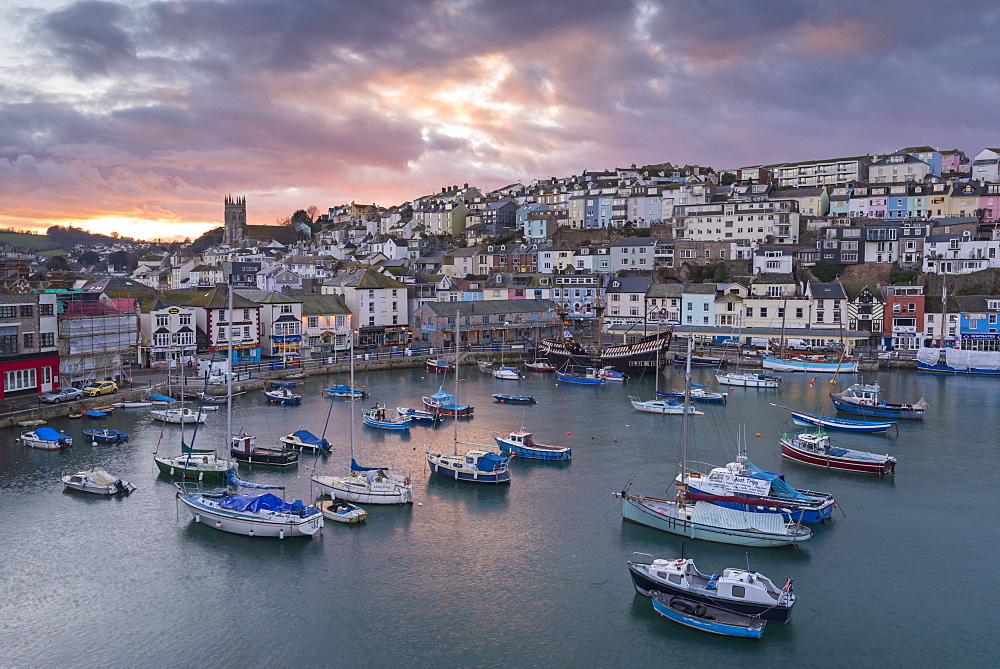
{"points": [[798, 345], [760, 342]]}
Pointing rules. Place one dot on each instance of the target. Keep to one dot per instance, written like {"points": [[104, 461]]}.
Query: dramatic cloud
{"points": [[139, 116]]}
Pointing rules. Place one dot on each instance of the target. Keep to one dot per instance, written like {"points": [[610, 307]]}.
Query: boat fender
{"points": [[684, 606], [406, 481], [699, 610]]}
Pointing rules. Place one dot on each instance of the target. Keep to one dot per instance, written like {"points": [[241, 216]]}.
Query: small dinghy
{"points": [[513, 399], [340, 511], [707, 617], [282, 396], [98, 482], [419, 415], [93, 413]]}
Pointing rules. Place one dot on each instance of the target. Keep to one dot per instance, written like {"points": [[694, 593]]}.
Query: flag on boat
{"points": [[813, 382]]}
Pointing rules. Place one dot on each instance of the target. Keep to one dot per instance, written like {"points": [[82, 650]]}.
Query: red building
{"points": [[29, 359], [903, 324]]}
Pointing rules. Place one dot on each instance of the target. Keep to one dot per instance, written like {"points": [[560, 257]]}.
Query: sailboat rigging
{"points": [[365, 485]]}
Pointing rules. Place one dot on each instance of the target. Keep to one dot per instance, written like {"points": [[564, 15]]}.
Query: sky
{"points": [[139, 117]]}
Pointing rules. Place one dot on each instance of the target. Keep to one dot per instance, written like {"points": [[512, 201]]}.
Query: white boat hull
{"points": [[664, 407], [747, 381], [656, 514], [252, 525], [356, 489]]}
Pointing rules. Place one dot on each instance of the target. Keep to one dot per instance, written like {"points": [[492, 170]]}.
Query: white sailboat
{"points": [[476, 466], [660, 405], [504, 372], [747, 379], [365, 485], [699, 520]]}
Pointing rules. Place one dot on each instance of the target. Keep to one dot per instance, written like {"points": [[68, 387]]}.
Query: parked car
{"points": [[100, 388], [61, 395]]}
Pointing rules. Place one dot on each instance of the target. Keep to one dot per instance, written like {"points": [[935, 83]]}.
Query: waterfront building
{"points": [[378, 306], [486, 323], [29, 357], [326, 325], [904, 317]]}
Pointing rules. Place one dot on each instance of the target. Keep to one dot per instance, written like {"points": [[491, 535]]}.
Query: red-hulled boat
{"points": [[539, 366], [815, 449], [439, 365]]}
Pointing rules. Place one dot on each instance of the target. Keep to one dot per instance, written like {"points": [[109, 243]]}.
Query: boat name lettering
{"points": [[749, 486]]}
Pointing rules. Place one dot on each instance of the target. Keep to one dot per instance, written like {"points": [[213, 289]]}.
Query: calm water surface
{"points": [[527, 575]]}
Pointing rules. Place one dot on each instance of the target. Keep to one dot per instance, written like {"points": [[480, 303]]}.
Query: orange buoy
{"points": [[758, 435], [568, 433]]}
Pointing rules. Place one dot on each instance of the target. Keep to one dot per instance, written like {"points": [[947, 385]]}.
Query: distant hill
{"points": [[57, 239], [29, 241]]}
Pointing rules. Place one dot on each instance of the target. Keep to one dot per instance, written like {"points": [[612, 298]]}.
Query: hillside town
{"points": [[860, 250]]}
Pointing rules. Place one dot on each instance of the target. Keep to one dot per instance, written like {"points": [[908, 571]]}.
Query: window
{"points": [[246, 314], [763, 312], [48, 339], [739, 591], [162, 321], [29, 340], [8, 312], [185, 319], [26, 311], [312, 321], [286, 308], [19, 379], [46, 309]]}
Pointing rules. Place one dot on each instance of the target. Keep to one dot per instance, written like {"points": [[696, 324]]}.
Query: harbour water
{"points": [[531, 574]]}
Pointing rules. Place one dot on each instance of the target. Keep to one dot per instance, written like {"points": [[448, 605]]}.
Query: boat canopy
{"points": [[733, 519], [308, 437], [48, 434], [232, 480], [264, 502], [779, 487], [490, 462], [355, 467]]}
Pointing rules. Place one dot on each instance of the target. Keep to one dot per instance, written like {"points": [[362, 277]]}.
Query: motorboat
{"points": [[738, 590], [741, 485], [513, 399], [439, 366], [376, 417], [46, 439], [344, 390], [443, 403], [178, 416], [97, 481], [105, 436], [815, 449], [523, 445], [749, 380], [665, 406], [341, 511], [611, 374], [260, 515], [866, 400], [697, 395], [540, 366], [506, 373], [707, 618], [304, 440], [474, 466], [587, 376], [485, 366], [282, 396], [419, 415], [244, 449]]}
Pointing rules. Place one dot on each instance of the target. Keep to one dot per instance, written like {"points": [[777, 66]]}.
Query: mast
{"points": [[229, 360], [350, 394], [458, 339], [784, 315], [684, 420], [944, 309]]}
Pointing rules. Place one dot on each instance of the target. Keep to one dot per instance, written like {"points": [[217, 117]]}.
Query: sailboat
{"points": [[476, 466], [504, 372], [366, 485], [191, 464], [699, 520], [819, 364], [743, 379], [659, 404]]}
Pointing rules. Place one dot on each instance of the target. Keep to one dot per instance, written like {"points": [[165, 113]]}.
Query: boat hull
{"points": [[636, 510], [468, 477], [797, 513], [699, 361], [514, 399], [361, 493], [191, 473], [249, 525], [877, 411], [881, 468], [801, 418], [738, 625], [579, 380], [782, 365], [748, 380], [106, 436], [268, 458], [553, 453], [644, 585]]}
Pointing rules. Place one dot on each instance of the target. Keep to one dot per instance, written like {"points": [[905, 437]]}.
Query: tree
{"points": [[89, 258], [301, 216], [119, 260], [56, 263], [827, 271], [727, 178]]}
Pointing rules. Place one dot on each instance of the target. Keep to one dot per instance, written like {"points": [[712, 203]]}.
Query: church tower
{"points": [[236, 218]]}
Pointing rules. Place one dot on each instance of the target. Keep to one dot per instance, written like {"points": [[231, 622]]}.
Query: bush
{"points": [[827, 271]]}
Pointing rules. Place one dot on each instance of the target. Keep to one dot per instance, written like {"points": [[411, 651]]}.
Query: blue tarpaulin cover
{"points": [[779, 488], [310, 438], [48, 434], [490, 462], [161, 398], [265, 502], [355, 467], [232, 480]]}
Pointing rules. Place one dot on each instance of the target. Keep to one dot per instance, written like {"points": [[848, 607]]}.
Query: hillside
{"points": [[29, 241]]}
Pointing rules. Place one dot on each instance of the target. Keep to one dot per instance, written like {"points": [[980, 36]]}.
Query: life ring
{"points": [[678, 563], [406, 481]]}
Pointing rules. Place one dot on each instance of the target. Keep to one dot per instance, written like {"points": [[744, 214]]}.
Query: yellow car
{"points": [[100, 388]]}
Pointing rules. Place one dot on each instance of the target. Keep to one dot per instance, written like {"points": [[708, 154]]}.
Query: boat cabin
{"points": [[731, 584]]}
